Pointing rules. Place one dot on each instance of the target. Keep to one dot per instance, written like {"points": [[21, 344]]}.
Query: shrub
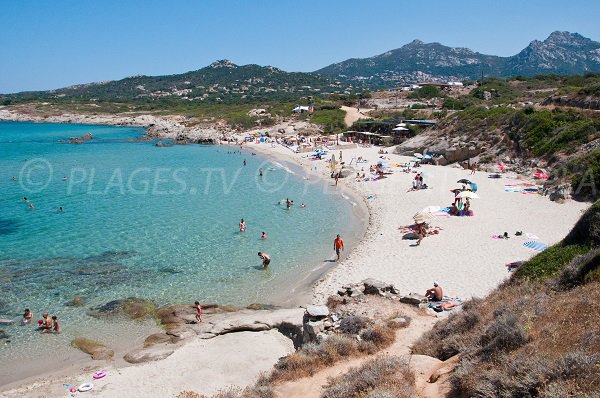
{"points": [[549, 262], [354, 324], [381, 336], [504, 334], [574, 274], [426, 92], [383, 377]]}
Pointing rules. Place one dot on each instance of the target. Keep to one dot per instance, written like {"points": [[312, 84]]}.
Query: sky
{"points": [[51, 44]]}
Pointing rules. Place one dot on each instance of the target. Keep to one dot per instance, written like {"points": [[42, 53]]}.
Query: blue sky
{"points": [[51, 44]]}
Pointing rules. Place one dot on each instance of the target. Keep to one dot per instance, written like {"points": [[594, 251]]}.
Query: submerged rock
{"points": [[134, 308], [96, 349]]}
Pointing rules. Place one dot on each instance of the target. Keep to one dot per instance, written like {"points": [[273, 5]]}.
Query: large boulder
{"points": [[149, 354], [94, 348], [413, 299], [158, 338], [317, 310]]}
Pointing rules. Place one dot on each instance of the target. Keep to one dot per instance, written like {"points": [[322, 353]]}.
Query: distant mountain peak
{"points": [[560, 53], [223, 63], [415, 42]]}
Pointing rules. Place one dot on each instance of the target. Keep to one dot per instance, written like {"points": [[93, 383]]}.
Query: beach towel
{"points": [[531, 236], [512, 267], [535, 245]]}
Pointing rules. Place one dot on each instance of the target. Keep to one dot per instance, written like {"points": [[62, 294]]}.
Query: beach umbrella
{"points": [[418, 155], [463, 181], [467, 194], [422, 217]]}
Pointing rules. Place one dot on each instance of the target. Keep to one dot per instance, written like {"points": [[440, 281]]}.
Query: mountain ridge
{"points": [[560, 53], [223, 80]]}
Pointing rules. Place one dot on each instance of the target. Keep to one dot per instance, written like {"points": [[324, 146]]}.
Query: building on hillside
{"points": [[302, 109]]}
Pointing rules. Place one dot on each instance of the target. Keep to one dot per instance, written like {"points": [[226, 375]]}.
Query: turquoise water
{"points": [[148, 222]]}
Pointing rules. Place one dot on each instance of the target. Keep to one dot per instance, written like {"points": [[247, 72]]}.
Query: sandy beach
{"points": [[463, 258]]}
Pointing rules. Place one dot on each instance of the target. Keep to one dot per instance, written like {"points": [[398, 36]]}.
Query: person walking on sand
{"points": [[421, 232], [338, 245], [266, 259], [242, 225], [337, 177], [473, 168], [198, 312]]}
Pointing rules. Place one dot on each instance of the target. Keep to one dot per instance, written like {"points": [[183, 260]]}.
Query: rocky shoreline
{"points": [[167, 127]]}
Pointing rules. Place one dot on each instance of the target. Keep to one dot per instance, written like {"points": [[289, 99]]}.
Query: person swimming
{"points": [[302, 205], [242, 225], [263, 236]]}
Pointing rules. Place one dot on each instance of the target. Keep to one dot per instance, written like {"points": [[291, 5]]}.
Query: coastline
{"points": [[298, 294], [382, 254]]}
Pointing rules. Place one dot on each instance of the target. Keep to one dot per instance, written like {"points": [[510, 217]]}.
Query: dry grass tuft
{"points": [[382, 377], [313, 357]]}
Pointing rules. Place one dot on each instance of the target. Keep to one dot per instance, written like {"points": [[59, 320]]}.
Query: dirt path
{"points": [[312, 387], [352, 115]]}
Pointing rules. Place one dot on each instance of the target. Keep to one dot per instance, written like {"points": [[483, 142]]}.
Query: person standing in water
{"points": [[338, 245], [244, 162], [260, 172], [263, 236], [242, 225], [266, 259]]}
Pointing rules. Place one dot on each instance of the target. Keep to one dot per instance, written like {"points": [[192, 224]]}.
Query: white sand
{"points": [[203, 366], [463, 258]]}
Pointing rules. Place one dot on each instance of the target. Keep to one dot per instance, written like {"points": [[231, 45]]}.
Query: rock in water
{"points": [[95, 349]]}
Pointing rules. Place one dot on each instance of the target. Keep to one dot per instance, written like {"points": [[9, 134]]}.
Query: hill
{"points": [[561, 53], [221, 81]]}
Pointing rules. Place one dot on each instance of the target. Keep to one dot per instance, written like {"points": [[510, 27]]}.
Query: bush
{"points": [[354, 324], [383, 377], [380, 336], [574, 274], [426, 92], [549, 263], [505, 334]]}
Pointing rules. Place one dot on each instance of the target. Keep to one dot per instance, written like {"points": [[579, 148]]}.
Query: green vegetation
{"points": [[547, 132], [456, 103], [426, 93], [332, 120], [500, 89], [550, 262]]}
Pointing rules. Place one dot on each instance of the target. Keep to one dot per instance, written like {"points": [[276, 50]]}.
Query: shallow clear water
{"points": [[149, 222]]}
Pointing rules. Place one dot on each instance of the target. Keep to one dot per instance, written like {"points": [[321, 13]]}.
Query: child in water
{"points": [[263, 236], [55, 324]]}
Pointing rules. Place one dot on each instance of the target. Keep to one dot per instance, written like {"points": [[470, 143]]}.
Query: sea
{"points": [[116, 217]]}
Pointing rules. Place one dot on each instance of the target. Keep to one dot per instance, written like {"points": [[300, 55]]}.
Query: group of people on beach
{"points": [[45, 325]]}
